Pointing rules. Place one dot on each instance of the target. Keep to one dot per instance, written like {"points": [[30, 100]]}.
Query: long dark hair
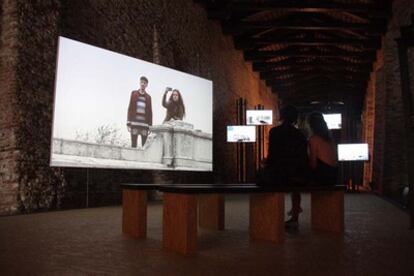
{"points": [[180, 100], [318, 126]]}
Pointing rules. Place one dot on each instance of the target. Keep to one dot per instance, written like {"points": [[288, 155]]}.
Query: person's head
{"points": [[318, 126], [177, 99], [175, 95], [289, 114], [143, 82]]}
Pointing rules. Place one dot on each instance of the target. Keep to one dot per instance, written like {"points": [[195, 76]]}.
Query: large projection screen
{"points": [[97, 116]]}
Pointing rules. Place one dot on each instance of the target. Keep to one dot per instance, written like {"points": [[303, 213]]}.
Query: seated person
{"points": [[322, 159], [322, 151], [287, 161]]}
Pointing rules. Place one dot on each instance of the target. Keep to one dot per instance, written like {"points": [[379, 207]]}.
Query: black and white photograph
{"points": [[115, 111]]}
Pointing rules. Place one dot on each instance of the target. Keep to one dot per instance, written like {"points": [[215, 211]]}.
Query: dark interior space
{"points": [[348, 57]]}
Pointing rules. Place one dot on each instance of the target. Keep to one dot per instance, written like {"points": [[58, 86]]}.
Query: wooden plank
{"points": [[267, 216], [211, 211], [327, 211], [134, 213], [180, 223]]}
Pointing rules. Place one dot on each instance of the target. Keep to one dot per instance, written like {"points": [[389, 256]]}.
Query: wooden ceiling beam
{"points": [[238, 27], [310, 67], [321, 7], [253, 55], [316, 60], [292, 74], [245, 43], [338, 85], [316, 79], [269, 66]]}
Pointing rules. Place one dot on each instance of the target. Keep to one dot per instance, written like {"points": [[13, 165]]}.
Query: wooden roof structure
{"points": [[307, 50]]}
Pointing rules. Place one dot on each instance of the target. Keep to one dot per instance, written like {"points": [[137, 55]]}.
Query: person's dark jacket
{"points": [[132, 113], [174, 110], [287, 161]]}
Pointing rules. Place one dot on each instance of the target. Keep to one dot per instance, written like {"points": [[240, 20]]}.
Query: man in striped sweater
{"points": [[139, 113]]}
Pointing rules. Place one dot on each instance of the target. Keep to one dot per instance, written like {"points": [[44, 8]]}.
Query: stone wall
{"points": [[187, 41], [174, 145]]}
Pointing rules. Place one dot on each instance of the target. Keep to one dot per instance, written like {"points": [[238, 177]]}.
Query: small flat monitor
{"points": [[243, 134], [353, 152], [334, 120], [259, 117]]}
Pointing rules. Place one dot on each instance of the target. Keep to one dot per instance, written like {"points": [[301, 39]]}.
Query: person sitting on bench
{"points": [[287, 162], [322, 159]]}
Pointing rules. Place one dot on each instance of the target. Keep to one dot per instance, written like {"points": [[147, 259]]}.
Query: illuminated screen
{"points": [[115, 111], [259, 117], [241, 134], [353, 152], [334, 121]]}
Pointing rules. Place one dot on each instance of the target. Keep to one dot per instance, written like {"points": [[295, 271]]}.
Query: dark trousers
{"points": [[134, 139], [296, 198]]}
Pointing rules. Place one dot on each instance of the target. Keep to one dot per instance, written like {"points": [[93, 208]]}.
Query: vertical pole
{"points": [[87, 187], [243, 122], [238, 149]]}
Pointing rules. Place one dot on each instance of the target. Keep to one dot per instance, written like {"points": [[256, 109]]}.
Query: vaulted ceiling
{"points": [[307, 51]]}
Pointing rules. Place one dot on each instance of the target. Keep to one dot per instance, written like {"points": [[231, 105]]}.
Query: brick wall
{"points": [[9, 153], [389, 169], [187, 41], [369, 119]]}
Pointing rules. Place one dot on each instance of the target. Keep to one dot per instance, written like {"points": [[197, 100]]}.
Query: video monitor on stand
{"points": [[241, 134]]}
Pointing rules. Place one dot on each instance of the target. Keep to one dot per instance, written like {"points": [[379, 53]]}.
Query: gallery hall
{"points": [[205, 137]]}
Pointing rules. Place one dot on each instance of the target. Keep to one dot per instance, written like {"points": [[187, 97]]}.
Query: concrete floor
{"points": [[89, 242]]}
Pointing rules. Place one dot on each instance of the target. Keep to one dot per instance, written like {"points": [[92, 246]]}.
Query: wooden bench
{"points": [[134, 208], [266, 211], [181, 202]]}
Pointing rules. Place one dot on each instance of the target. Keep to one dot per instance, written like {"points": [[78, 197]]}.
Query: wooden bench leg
{"points": [[327, 211], [180, 223], [267, 217], [134, 213], [211, 211]]}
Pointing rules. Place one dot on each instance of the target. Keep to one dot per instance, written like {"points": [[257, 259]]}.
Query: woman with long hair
{"points": [[322, 151], [175, 105], [323, 161]]}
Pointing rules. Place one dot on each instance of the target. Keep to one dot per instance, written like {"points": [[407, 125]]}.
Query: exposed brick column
{"points": [[369, 120], [8, 125], [26, 89]]}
